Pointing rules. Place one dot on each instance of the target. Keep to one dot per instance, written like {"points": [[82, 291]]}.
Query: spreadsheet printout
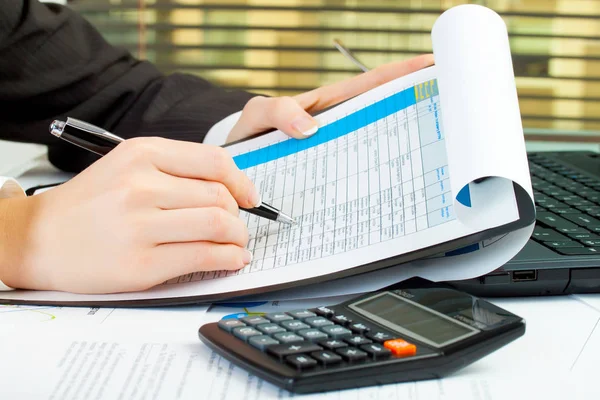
{"points": [[377, 173]]}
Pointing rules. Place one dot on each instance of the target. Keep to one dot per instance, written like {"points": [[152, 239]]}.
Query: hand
{"points": [[150, 210], [291, 114]]}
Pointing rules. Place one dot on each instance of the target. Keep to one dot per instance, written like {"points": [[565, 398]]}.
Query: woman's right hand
{"points": [[150, 210]]}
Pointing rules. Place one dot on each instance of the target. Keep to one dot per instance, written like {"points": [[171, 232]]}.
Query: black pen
{"points": [[100, 141]]}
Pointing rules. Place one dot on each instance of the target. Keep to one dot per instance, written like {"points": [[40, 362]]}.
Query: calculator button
{"points": [[358, 327], [317, 322], [326, 357], [245, 332], [379, 336], [333, 344], [288, 337], [301, 361], [269, 328], [376, 350], [324, 311], [352, 354], [229, 324], [336, 331], [401, 347], [357, 340], [294, 325], [301, 314], [312, 334], [282, 350], [341, 319], [253, 321], [277, 317], [261, 342]]}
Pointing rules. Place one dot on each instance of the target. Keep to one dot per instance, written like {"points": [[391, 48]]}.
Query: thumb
{"points": [[283, 113]]}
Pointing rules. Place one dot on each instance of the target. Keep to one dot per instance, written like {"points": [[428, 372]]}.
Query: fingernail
{"points": [[305, 125], [254, 197], [247, 258]]}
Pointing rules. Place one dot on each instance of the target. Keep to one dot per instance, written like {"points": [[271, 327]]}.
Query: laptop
{"points": [[563, 254]]}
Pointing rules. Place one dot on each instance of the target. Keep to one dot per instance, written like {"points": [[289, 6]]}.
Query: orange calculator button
{"points": [[400, 347]]}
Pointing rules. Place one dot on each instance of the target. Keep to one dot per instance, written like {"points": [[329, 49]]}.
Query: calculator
{"points": [[413, 330]]}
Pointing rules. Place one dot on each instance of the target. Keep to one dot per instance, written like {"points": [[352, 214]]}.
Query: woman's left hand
{"points": [[292, 114]]}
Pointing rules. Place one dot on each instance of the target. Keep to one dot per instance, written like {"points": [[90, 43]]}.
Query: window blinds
{"points": [[283, 47]]}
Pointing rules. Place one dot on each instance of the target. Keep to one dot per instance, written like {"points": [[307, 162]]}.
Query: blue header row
{"points": [[341, 127]]}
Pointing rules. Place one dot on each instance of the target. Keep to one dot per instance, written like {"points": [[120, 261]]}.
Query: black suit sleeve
{"points": [[54, 64]]}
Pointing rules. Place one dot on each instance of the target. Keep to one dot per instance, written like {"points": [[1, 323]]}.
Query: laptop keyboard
{"points": [[568, 207]]}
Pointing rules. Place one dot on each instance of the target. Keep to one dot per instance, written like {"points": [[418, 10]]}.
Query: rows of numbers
{"points": [[386, 180]]}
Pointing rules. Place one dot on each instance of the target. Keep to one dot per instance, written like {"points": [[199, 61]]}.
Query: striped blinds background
{"points": [[283, 47]]}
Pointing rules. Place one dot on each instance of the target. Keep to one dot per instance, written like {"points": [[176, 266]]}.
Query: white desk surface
{"points": [[69, 353]]}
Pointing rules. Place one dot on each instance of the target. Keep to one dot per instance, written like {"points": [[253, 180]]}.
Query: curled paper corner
{"points": [[493, 197]]}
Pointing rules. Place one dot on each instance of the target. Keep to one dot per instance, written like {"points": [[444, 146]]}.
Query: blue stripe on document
{"points": [[341, 127]]}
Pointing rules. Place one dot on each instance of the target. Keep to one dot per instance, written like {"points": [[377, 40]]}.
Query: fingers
{"points": [[192, 160], [338, 92], [283, 113], [174, 193], [178, 259], [291, 115], [210, 224]]}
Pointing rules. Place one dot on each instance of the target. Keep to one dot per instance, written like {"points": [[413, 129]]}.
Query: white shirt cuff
{"points": [[9, 188], [4, 288], [217, 135]]}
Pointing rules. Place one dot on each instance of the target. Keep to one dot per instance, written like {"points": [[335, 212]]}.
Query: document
{"points": [[429, 167], [35, 315], [104, 369], [586, 362], [155, 354]]}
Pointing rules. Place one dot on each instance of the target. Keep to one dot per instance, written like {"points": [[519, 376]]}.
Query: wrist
{"points": [[17, 216]]}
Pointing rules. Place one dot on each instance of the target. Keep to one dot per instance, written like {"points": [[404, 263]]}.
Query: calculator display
{"points": [[407, 317]]}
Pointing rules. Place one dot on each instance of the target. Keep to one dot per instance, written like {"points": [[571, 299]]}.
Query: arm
{"points": [[54, 64]]}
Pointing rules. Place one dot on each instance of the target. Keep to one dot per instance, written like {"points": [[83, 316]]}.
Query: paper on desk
{"points": [[586, 363], [16, 158], [65, 321], [127, 359], [11, 315], [157, 370], [41, 172], [557, 330], [102, 368], [591, 299]]}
